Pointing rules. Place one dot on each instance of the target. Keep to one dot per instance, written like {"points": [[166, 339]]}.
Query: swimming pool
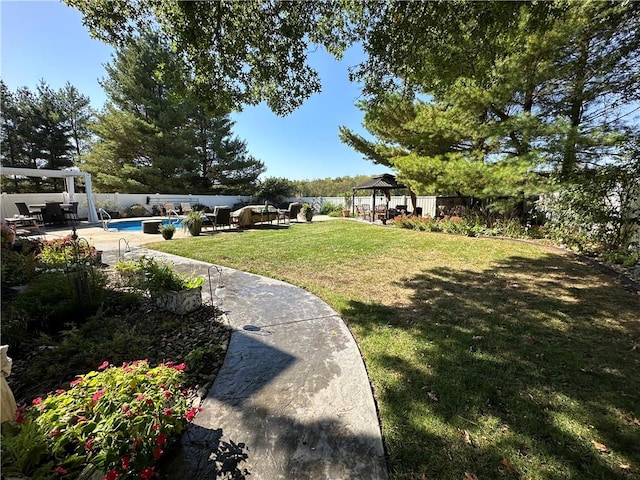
{"points": [[135, 225]]}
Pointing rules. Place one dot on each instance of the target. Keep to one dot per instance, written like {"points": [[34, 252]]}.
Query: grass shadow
{"points": [[526, 368]]}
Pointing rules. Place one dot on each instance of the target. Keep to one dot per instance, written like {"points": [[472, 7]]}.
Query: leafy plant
{"points": [[136, 210], [307, 211], [192, 221], [118, 421], [148, 274]]}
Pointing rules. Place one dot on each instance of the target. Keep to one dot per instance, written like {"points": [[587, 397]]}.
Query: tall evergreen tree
{"points": [[478, 100]]}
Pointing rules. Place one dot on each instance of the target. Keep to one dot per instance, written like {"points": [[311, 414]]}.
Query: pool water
{"points": [[135, 225]]}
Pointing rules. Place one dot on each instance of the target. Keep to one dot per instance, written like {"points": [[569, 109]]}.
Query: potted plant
{"points": [[167, 230], [192, 222], [347, 204], [306, 212], [168, 289]]}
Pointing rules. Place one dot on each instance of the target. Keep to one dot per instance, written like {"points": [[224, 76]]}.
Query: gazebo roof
{"points": [[385, 181]]}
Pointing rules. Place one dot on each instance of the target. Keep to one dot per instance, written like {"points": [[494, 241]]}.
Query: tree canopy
{"points": [[45, 128], [480, 98], [237, 52]]}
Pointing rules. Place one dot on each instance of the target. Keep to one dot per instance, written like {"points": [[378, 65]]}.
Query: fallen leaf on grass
{"points": [[600, 447], [432, 396], [625, 466], [508, 465], [470, 476], [467, 437]]}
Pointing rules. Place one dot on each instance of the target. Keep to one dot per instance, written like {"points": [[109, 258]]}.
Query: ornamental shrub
{"points": [[117, 421]]}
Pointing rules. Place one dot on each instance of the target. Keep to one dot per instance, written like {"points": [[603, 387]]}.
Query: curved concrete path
{"points": [[293, 388]]}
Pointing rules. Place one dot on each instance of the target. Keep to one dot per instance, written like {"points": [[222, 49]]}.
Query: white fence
{"points": [[121, 201]]}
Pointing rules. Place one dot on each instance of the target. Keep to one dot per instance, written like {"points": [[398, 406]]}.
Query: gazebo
{"points": [[69, 177], [383, 183]]}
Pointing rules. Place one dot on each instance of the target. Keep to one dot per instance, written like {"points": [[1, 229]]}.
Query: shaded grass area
{"points": [[487, 357]]}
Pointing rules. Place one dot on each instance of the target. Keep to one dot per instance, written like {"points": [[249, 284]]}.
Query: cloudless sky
{"points": [[46, 40]]}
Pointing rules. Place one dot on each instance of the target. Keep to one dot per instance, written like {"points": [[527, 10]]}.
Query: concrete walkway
{"points": [[293, 394]]}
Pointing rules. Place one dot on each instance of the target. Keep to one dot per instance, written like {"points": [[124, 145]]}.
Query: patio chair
{"points": [[186, 208], [292, 212], [364, 211], [24, 210], [52, 214], [71, 213], [223, 216]]}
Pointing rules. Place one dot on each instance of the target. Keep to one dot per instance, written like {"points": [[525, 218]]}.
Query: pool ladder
{"points": [[104, 221]]}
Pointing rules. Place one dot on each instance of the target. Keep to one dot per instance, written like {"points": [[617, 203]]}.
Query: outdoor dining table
{"points": [[42, 207]]}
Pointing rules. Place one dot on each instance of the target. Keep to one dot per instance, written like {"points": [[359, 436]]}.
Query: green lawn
{"points": [[488, 358]]}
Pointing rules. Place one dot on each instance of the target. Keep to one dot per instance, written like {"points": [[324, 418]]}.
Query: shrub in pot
{"points": [[167, 230], [192, 222], [307, 212]]}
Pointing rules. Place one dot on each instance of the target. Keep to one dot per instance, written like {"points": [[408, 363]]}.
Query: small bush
{"points": [[137, 210], [331, 209], [55, 298], [118, 421], [148, 274]]}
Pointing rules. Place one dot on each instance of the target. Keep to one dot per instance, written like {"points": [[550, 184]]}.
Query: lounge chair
{"points": [[24, 211]]}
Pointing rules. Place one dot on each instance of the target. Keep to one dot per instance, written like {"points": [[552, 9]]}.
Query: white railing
{"points": [[105, 218]]}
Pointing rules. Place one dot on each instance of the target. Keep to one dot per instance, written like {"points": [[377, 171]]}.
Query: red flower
{"points": [[112, 475], [61, 470], [60, 391], [37, 401], [96, 396], [167, 412], [147, 473], [89, 444], [82, 419], [103, 365], [125, 407], [125, 463], [55, 433], [20, 413], [157, 453], [75, 382], [149, 401], [140, 396], [167, 394], [190, 415], [155, 426], [161, 439], [179, 367]]}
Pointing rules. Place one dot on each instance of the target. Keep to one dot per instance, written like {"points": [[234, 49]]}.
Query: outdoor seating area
{"points": [[49, 213]]}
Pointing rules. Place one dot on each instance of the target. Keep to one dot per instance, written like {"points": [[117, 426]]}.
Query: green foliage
{"points": [[17, 267], [66, 253], [328, 208], [117, 421], [598, 211], [471, 225], [192, 221], [239, 52], [328, 187], [44, 128], [148, 274], [275, 190], [502, 92], [52, 299], [136, 210], [155, 133]]}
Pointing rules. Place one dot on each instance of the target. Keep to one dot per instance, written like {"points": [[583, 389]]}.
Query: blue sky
{"points": [[46, 40]]}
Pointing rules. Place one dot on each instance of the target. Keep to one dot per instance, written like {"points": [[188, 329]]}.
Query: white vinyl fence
{"points": [[121, 201]]}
